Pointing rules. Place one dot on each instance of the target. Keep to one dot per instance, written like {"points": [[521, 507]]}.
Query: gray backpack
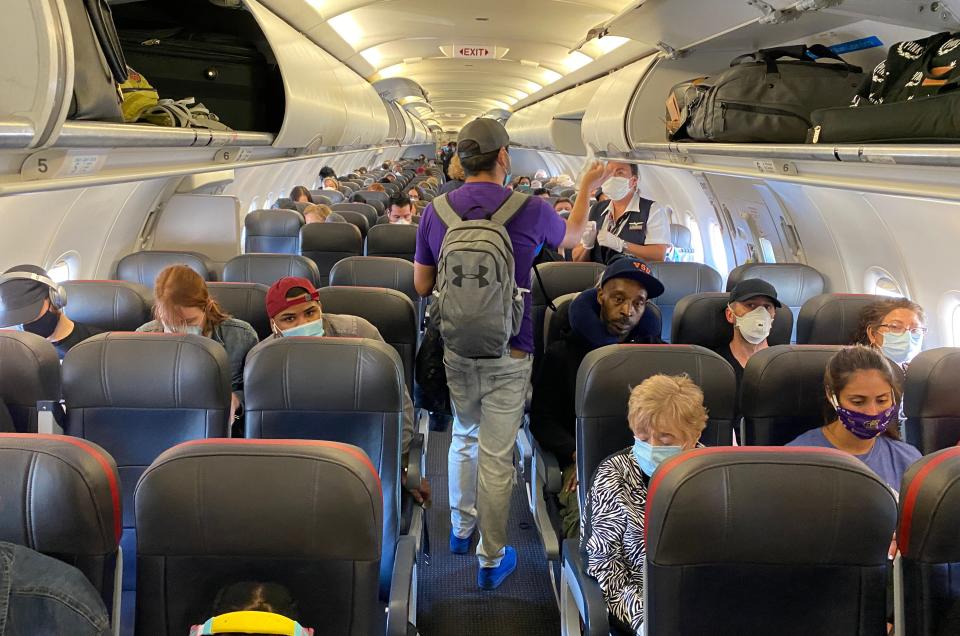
{"points": [[477, 306]]}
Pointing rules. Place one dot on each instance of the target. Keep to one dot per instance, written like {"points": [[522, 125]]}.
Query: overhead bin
{"points": [[530, 126], [398, 123], [566, 125], [604, 122]]}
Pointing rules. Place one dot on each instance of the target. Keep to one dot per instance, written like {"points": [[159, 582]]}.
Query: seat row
{"points": [[262, 505]]}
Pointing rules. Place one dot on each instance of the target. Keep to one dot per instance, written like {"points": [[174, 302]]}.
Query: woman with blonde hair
{"points": [[320, 213], [183, 304], [667, 416]]}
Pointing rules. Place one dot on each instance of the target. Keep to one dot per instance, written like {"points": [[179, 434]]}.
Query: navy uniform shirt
{"points": [[644, 223]]}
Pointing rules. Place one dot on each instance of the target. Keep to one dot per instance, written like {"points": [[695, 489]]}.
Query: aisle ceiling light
{"points": [[347, 28], [576, 60]]}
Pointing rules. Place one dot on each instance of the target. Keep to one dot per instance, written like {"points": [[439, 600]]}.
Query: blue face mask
{"points": [[314, 329], [649, 456], [903, 347]]}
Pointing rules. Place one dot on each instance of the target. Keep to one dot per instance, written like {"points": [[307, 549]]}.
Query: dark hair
{"points": [[300, 191], [873, 314], [385, 165], [485, 162], [400, 200], [327, 171], [540, 191], [252, 596], [562, 200], [850, 360]]}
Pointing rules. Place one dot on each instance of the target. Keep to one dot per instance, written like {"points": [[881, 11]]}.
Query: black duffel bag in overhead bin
{"points": [[913, 96], [763, 99]]}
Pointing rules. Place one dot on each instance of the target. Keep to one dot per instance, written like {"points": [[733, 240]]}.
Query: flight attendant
{"points": [[626, 224]]}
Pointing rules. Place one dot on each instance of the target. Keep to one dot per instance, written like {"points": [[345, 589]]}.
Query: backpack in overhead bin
{"points": [[761, 98], [478, 306], [99, 65], [912, 96]]}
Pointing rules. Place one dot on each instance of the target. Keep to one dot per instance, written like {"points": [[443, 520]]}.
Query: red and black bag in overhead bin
{"points": [[762, 98], [912, 97]]}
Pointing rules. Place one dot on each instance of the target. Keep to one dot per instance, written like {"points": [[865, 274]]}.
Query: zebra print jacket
{"points": [[614, 545]]}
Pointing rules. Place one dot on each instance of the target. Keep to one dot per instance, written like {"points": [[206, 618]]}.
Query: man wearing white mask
{"points": [[751, 309], [627, 224]]}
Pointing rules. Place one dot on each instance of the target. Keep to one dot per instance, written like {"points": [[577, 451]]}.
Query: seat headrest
{"points": [[147, 370], [331, 237], [60, 495], [323, 374], [390, 311], [267, 269], [561, 278], [387, 238], [273, 223], [682, 279], [699, 319], [246, 301], [261, 498], [285, 203], [364, 208], [795, 283], [930, 508], [143, 267], [335, 196], [375, 271], [608, 374], [785, 382], [768, 505], [931, 386], [111, 305], [359, 219], [832, 318], [680, 236], [29, 369]]}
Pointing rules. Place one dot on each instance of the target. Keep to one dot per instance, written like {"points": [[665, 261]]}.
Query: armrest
{"points": [[50, 417], [415, 462], [402, 587], [548, 470], [581, 593]]}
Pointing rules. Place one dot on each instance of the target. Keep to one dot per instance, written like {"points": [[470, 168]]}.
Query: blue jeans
{"points": [[487, 398], [40, 595]]}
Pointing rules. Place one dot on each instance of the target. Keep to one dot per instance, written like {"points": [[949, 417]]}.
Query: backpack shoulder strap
{"points": [[447, 215], [509, 208]]}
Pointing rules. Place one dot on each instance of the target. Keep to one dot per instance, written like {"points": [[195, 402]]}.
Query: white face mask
{"points": [[616, 188], [187, 329], [755, 325], [401, 222]]}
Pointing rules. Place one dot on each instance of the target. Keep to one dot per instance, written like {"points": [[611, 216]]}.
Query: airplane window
{"points": [[879, 281], [269, 201], [254, 205], [718, 251], [696, 240], [60, 271], [766, 247]]}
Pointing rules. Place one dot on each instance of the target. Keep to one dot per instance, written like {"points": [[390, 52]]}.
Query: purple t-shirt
{"points": [[888, 457], [535, 224]]}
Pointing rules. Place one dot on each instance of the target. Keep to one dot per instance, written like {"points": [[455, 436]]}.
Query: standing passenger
{"points": [[488, 394]]}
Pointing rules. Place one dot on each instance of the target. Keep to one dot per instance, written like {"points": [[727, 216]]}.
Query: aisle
{"points": [[449, 601]]}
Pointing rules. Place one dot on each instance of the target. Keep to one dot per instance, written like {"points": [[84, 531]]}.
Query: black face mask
{"points": [[44, 326]]}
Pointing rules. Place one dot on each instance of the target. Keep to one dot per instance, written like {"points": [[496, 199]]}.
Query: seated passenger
{"points": [[330, 183], [319, 213], [415, 194], [628, 224], [182, 304], [31, 301], [598, 317], [400, 212], [523, 181], [376, 187], [293, 305], [541, 192], [563, 204], [895, 326], [540, 175], [863, 390], [751, 309], [327, 171], [667, 416], [300, 194], [41, 595], [252, 596]]}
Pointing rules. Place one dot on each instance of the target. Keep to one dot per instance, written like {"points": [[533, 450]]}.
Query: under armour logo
{"points": [[460, 276]]}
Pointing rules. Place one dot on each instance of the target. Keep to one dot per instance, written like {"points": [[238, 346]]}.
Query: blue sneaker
{"points": [[492, 578], [458, 545]]}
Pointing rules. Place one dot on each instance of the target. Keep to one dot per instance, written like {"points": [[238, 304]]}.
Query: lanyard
{"points": [[617, 226]]}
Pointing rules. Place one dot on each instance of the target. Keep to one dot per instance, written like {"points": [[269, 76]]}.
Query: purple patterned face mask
{"points": [[862, 425]]}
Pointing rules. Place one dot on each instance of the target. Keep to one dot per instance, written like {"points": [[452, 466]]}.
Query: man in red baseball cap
{"points": [[293, 304]]}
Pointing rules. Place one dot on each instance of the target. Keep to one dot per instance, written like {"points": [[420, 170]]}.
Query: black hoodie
{"points": [[552, 413]]}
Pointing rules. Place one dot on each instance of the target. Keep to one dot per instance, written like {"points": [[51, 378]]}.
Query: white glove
{"points": [[589, 237], [611, 241]]}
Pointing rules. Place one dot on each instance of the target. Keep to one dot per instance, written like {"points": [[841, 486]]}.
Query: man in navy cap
{"points": [[612, 313], [31, 301], [751, 309]]}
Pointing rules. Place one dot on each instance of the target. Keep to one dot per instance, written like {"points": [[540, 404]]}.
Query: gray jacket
{"points": [[236, 336], [41, 595], [346, 326]]}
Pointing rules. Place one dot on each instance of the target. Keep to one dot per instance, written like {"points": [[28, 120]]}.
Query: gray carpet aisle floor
{"points": [[449, 601]]}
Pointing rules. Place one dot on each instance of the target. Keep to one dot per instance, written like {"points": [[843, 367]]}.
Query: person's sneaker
{"points": [[492, 578], [458, 545]]}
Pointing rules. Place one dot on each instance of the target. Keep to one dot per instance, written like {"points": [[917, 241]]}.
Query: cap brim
{"points": [[746, 297], [653, 285], [21, 315]]}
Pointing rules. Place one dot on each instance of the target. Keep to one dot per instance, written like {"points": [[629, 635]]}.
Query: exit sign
{"points": [[474, 51]]}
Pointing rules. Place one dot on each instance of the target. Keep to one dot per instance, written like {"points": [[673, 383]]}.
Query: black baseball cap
{"points": [[751, 288], [481, 136], [634, 269], [21, 299]]}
